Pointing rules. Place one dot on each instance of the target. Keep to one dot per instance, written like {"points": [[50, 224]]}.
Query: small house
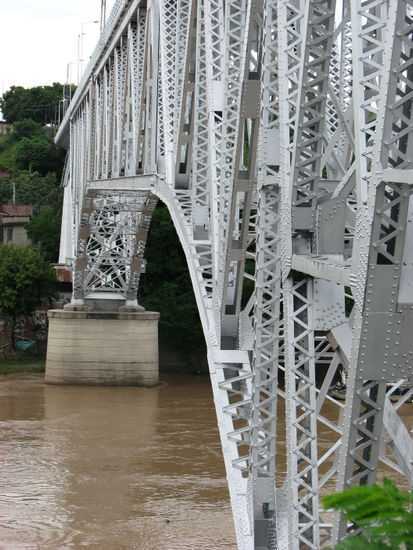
{"points": [[13, 218]]}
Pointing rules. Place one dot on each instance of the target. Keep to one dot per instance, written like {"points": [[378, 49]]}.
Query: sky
{"points": [[39, 40]]}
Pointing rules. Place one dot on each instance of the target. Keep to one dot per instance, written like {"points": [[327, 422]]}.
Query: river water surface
{"points": [[118, 468], [111, 468]]}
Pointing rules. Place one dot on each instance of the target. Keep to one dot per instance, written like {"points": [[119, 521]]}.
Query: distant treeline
{"points": [[40, 103]]}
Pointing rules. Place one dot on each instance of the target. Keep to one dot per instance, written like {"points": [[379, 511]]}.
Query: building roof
{"points": [[15, 210]]}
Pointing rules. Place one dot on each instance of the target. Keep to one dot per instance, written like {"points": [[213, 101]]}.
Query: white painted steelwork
{"points": [[279, 135]]}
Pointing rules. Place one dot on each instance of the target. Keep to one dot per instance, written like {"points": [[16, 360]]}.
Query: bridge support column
{"points": [[102, 348]]}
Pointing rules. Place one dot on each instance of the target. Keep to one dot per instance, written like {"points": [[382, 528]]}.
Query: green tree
{"points": [[44, 230], [39, 155], [6, 191], [166, 287], [32, 154], [14, 103], [39, 103], [385, 515], [26, 129], [25, 280]]}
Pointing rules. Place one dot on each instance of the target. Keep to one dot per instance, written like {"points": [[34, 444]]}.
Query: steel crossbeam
{"points": [[279, 135]]}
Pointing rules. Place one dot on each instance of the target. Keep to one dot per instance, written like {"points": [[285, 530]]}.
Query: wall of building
{"points": [[4, 127], [13, 219], [17, 233]]}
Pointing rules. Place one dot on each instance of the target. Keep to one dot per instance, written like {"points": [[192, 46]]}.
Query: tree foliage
{"points": [[39, 155], [32, 154], [166, 287], [27, 147], [7, 153], [6, 191], [41, 192], [25, 279], [39, 103], [385, 515], [44, 230], [26, 129]]}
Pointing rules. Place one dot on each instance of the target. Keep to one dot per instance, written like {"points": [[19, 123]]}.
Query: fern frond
{"points": [[404, 525], [383, 513], [359, 543]]}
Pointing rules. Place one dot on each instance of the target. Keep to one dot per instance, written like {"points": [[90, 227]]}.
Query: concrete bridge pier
{"points": [[115, 346]]}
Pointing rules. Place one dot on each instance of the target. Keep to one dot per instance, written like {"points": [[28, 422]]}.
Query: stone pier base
{"points": [[102, 348]]}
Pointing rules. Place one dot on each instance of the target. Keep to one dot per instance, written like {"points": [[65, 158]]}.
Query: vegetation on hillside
{"points": [[29, 147], [32, 168]]}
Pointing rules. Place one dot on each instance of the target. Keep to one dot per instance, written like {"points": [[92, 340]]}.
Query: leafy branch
{"points": [[384, 514]]}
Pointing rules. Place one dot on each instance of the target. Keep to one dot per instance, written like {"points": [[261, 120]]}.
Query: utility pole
{"points": [[80, 49], [102, 15]]}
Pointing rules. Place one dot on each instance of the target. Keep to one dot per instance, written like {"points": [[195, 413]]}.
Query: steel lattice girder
{"points": [[279, 134]]}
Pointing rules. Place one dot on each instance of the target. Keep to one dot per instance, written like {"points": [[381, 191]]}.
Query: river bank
{"points": [[21, 365], [169, 362]]}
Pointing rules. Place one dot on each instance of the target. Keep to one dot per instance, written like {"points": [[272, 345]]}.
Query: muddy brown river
{"points": [[113, 468]]}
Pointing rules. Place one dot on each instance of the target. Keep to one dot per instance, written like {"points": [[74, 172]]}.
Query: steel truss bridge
{"points": [[279, 135]]}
